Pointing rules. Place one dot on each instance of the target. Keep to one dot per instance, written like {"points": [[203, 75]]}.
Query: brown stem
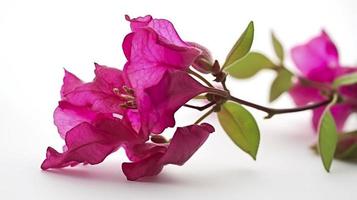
{"points": [[200, 108], [273, 111], [225, 95], [200, 77], [270, 111], [205, 115]]}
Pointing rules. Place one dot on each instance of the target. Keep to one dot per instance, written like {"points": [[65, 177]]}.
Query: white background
{"points": [[39, 38]]}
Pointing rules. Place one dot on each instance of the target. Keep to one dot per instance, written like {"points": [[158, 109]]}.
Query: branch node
{"points": [[269, 116]]}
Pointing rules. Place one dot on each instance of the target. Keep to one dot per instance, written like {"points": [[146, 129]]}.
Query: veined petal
{"points": [[149, 160], [70, 82], [164, 28], [165, 98], [144, 50], [66, 116], [107, 78], [168, 35], [149, 59], [97, 94], [90, 144]]}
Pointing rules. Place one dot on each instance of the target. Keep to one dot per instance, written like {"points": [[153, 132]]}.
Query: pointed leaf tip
{"points": [[242, 46]]}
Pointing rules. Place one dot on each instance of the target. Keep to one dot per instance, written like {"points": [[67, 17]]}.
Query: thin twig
{"points": [[270, 111], [273, 111], [205, 115], [200, 77], [200, 108]]}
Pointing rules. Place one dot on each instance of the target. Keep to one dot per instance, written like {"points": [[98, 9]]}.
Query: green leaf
{"points": [[240, 126], [248, 66], [278, 48], [327, 138], [242, 46], [348, 79], [281, 84]]}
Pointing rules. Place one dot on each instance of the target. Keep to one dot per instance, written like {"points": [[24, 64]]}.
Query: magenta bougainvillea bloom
{"points": [[318, 62], [124, 108], [154, 49]]}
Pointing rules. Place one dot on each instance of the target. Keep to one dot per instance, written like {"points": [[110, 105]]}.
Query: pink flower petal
{"points": [[322, 75], [150, 159], [172, 92], [107, 78], [70, 82], [317, 54], [146, 54], [168, 35], [149, 59], [90, 144], [67, 116], [98, 94], [164, 28], [303, 95]]}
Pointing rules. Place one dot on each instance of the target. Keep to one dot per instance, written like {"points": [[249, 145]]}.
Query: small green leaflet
{"points": [[249, 65], [240, 126], [242, 46], [281, 84], [278, 47], [348, 79], [328, 136]]}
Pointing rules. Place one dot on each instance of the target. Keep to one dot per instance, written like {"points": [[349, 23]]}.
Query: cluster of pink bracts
{"points": [[318, 61], [125, 108]]}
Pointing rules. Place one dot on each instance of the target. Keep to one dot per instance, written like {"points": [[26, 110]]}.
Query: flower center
{"points": [[127, 96]]}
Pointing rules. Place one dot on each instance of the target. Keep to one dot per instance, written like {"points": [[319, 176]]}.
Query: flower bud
{"points": [[202, 65], [203, 62]]}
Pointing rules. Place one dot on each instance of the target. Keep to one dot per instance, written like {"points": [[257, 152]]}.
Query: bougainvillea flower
{"points": [[318, 63], [152, 106], [124, 108], [204, 62], [162, 100], [104, 94], [91, 143], [81, 102], [153, 50], [150, 158]]}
